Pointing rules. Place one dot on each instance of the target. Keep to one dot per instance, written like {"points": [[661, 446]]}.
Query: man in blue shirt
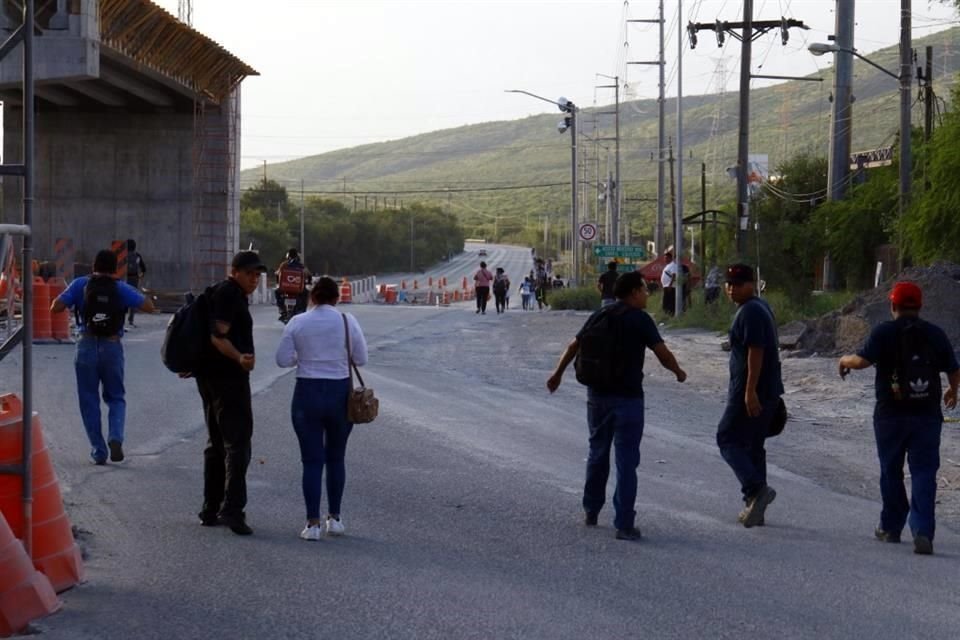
{"points": [[753, 394], [615, 415], [101, 302], [909, 354]]}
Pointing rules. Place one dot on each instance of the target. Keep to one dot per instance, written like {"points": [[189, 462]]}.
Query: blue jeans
{"points": [[99, 361], [617, 421], [916, 438], [319, 414], [741, 441]]}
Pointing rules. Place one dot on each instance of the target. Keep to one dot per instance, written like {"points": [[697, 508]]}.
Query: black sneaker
{"points": [[116, 451], [886, 536], [237, 524], [752, 516], [590, 519], [208, 519], [629, 534], [922, 545]]}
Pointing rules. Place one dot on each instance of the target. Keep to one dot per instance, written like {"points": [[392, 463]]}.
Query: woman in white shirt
{"points": [[315, 343]]}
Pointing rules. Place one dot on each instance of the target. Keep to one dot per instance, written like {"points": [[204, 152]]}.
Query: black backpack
{"points": [[915, 383], [188, 335], [500, 284], [601, 361], [103, 312]]}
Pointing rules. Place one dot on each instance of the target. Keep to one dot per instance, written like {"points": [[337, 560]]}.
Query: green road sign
{"points": [[622, 267], [620, 251]]}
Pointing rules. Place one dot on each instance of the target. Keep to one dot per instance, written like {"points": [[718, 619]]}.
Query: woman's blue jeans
{"points": [[319, 414], [99, 361]]}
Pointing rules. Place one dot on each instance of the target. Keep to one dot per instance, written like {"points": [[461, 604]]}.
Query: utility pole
{"points": [[928, 97], [838, 171], [703, 215], [673, 195], [906, 78], [613, 190], [750, 31], [661, 131], [303, 255], [678, 221]]}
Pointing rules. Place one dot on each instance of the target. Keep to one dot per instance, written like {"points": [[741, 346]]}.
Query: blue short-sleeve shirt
{"points": [[73, 297], [754, 326]]}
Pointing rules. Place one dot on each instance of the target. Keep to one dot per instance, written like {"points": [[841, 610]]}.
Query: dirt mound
{"points": [[845, 330]]}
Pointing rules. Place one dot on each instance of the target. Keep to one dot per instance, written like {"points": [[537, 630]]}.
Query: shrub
{"points": [[580, 299]]}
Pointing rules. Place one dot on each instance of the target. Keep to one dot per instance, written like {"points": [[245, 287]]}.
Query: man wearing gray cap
{"points": [[224, 385]]}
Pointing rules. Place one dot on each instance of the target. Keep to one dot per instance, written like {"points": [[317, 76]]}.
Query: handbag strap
{"points": [[351, 365]]}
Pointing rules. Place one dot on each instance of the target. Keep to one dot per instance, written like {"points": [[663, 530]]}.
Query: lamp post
{"points": [[904, 78], [569, 122]]}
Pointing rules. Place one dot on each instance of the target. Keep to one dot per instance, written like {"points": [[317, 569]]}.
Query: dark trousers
{"points": [[669, 300], [741, 441], [501, 301], [319, 414], [482, 293], [618, 422], [916, 438], [229, 416]]}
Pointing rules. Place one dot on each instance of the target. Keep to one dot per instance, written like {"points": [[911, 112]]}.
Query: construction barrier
{"points": [[430, 281], [346, 292], [55, 552], [119, 248], [59, 322], [25, 593], [63, 255], [391, 294], [42, 318]]}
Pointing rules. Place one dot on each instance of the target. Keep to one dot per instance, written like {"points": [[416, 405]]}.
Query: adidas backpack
{"points": [[915, 382]]}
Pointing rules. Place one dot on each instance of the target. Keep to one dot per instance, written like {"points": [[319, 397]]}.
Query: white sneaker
{"points": [[311, 532], [334, 527]]}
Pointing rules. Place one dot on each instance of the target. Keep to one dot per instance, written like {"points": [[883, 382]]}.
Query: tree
{"points": [[268, 196]]}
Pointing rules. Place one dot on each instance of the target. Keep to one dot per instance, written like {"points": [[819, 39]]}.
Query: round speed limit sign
{"points": [[588, 231]]}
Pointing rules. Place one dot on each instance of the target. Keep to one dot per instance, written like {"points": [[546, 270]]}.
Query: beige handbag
{"points": [[362, 405]]}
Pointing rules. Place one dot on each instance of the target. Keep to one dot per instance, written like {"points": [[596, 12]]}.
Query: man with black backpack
{"points": [[909, 354], [102, 302], [609, 352], [753, 395], [223, 380]]}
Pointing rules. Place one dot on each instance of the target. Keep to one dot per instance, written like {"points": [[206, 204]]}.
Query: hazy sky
{"points": [[341, 73]]}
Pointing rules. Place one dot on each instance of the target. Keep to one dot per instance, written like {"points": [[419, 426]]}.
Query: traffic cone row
{"points": [[55, 552], [25, 593]]}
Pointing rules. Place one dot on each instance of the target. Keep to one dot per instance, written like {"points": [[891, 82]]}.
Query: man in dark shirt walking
{"points": [[605, 284], [909, 354], [615, 415], [224, 385], [753, 394]]}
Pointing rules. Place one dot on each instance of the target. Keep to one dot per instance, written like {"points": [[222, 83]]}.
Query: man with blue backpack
{"points": [[102, 302], [609, 355], [909, 353]]}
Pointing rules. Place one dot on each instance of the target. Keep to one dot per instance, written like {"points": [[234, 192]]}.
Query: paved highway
{"points": [[463, 509]]}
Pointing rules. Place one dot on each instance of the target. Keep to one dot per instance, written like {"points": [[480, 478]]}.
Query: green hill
{"points": [[506, 174]]}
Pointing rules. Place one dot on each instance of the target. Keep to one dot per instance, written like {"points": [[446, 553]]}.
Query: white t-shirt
{"points": [[668, 276]]}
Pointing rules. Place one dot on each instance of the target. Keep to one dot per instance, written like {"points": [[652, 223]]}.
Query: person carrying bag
{"points": [[314, 342]]}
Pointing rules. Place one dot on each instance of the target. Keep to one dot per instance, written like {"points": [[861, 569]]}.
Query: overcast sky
{"points": [[341, 73]]}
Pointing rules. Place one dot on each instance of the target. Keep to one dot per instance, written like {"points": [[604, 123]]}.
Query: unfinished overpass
{"points": [[137, 136]]}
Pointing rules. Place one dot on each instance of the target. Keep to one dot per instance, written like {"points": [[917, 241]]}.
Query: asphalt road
{"points": [[463, 510]]}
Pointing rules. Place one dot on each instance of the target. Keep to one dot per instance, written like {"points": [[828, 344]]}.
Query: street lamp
{"points": [[821, 48], [569, 122]]}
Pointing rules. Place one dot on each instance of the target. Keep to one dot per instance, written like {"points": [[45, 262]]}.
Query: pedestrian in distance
{"points": [[609, 351], [712, 285], [316, 343], [541, 283], [224, 385], [753, 393], [605, 284], [482, 280], [668, 281], [909, 354], [501, 289], [526, 294], [101, 303], [136, 270]]}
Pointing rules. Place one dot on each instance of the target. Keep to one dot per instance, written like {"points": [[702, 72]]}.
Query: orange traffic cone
{"points": [[59, 322], [346, 293], [55, 552], [42, 329], [25, 593]]}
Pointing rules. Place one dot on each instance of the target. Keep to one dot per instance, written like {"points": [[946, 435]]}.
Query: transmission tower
{"points": [[185, 11], [714, 144]]}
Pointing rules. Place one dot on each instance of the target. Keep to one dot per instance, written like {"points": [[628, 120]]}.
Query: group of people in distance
{"points": [[909, 355], [532, 289], [320, 343]]}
